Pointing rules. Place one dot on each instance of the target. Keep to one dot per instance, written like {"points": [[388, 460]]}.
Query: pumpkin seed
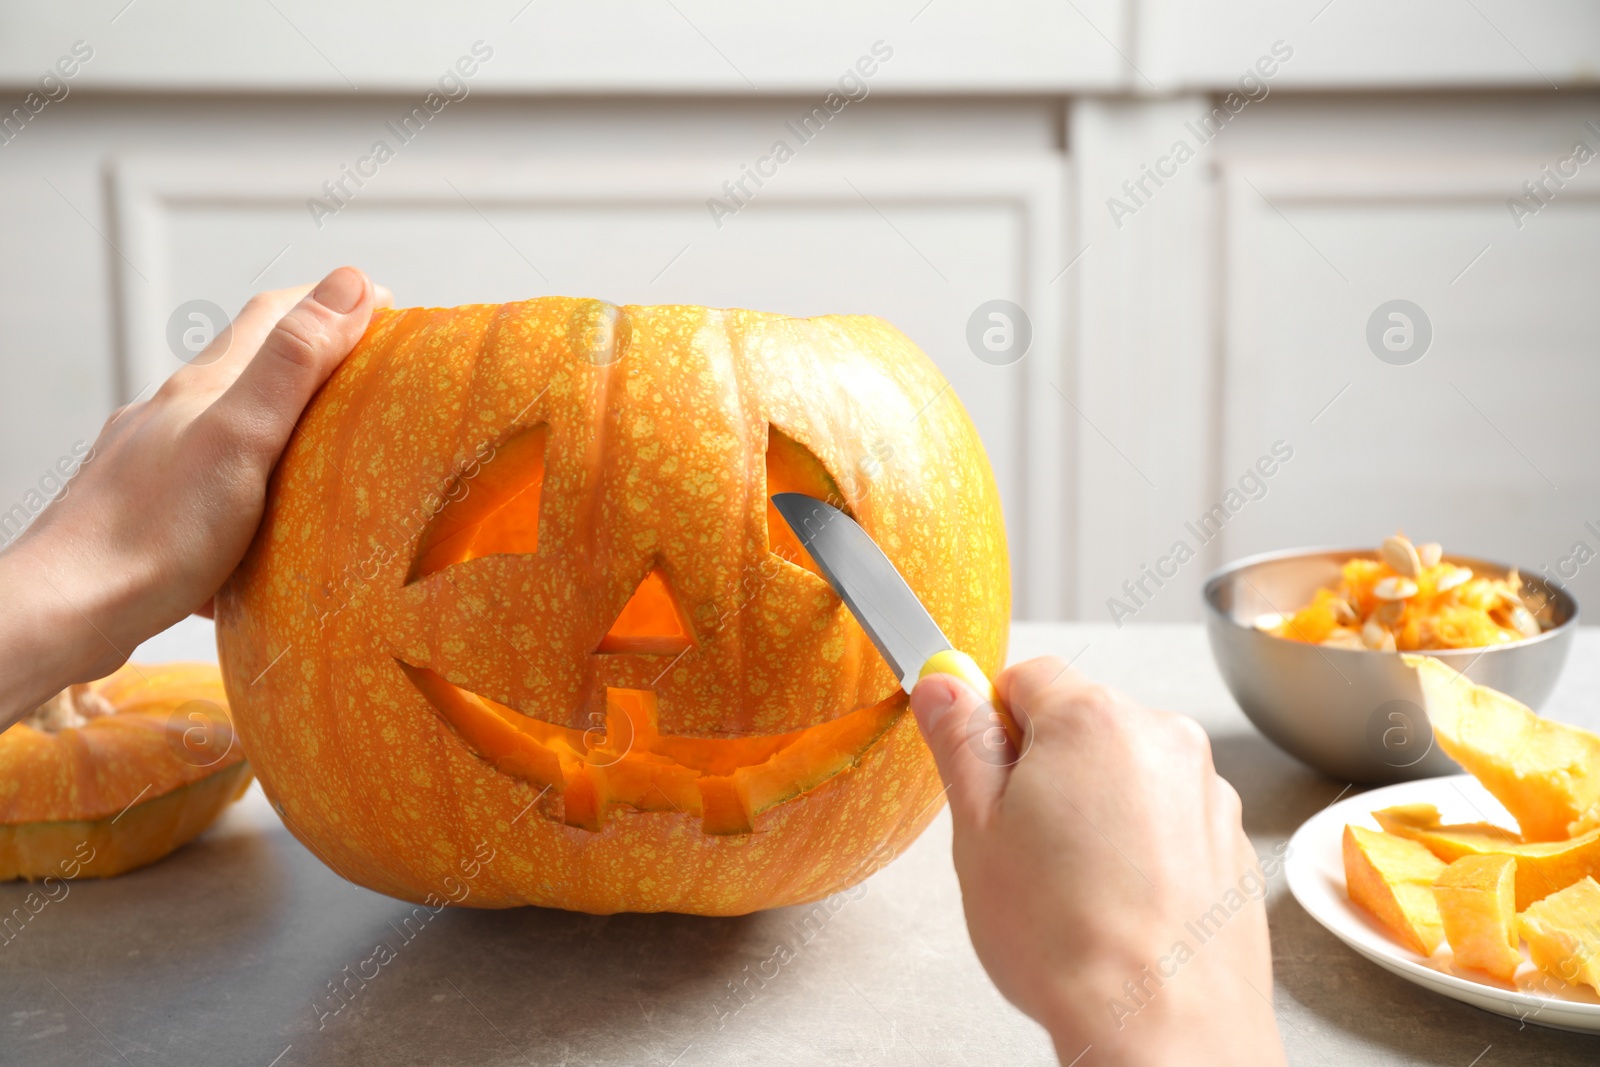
{"points": [[1395, 588], [1401, 556], [1523, 622], [1375, 606], [1375, 637]]}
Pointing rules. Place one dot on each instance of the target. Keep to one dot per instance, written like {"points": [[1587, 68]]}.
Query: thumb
{"points": [[960, 729], [298, 356]]}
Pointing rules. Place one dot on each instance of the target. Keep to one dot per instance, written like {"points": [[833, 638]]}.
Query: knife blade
{"points": [[900, 628]]}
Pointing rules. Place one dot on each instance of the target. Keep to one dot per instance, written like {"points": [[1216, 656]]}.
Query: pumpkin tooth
{"points": [[725, 808], [582, 800]]}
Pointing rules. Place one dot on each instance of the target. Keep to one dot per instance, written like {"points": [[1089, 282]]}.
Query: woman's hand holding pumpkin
{"points": [[168, 500], [1089, 868]]}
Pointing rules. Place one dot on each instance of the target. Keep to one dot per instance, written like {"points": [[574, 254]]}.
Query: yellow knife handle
{"points": [[962, 666]]}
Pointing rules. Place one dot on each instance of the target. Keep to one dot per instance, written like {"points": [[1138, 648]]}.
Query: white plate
{"points": [[1314, 866]]}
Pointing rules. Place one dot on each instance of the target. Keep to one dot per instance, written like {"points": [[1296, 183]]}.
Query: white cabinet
{"points": [[1475, 423]]}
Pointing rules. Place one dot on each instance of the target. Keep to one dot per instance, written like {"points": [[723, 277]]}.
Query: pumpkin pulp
{"points": [[1392, 878], [1543, 867]]}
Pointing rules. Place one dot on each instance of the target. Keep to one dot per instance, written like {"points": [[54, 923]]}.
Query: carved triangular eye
{"points": [[495, 510], [650, 622], [792, 468]]}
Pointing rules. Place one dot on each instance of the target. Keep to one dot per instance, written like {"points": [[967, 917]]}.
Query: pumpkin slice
{"points": [[1546, 773], [1477, 901], [1563, 933], [116, 774], [1392, 878], [1543, 867], [100, 848]]}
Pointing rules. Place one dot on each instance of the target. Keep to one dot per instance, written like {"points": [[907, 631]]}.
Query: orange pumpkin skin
{"points": [[521, 627], [120, 791]]}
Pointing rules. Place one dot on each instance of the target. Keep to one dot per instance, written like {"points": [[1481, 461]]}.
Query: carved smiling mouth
{"points": [[628, 763]]}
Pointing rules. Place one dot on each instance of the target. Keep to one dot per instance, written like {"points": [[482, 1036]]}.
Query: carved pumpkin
{"points": [[113, 775], [520, 586]]}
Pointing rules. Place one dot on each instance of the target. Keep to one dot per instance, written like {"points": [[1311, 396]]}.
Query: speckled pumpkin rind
{"points": [[656, 425]]}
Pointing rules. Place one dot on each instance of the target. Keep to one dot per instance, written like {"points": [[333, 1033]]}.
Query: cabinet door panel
{"points": [[1485, 441], [920, 243]]}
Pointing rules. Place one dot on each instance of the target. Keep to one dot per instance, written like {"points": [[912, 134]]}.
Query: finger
{"points": [[296, 358], [1225, 807], [1244, 851], [960, 730], [1026, 683], [208, 610], [219, 363], [383, 297], [259, 315]]}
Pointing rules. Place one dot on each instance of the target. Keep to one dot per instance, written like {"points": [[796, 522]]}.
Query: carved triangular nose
{"points": [[650, 622]]}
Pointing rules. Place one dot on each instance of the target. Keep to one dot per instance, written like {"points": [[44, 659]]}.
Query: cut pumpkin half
{"points": [[112, 775]]}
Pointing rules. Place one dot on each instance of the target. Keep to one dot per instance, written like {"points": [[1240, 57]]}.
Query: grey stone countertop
{"points": [[223, 953]]}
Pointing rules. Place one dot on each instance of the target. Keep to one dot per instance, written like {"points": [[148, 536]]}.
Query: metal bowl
{"points": [[1352, 713]]}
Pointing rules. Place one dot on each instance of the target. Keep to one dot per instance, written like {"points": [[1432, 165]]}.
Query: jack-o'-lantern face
{"points": [[554, 596], [596, 717]]}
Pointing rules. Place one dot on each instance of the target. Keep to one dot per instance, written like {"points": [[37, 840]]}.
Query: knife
{"points": [[870, 585]]}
